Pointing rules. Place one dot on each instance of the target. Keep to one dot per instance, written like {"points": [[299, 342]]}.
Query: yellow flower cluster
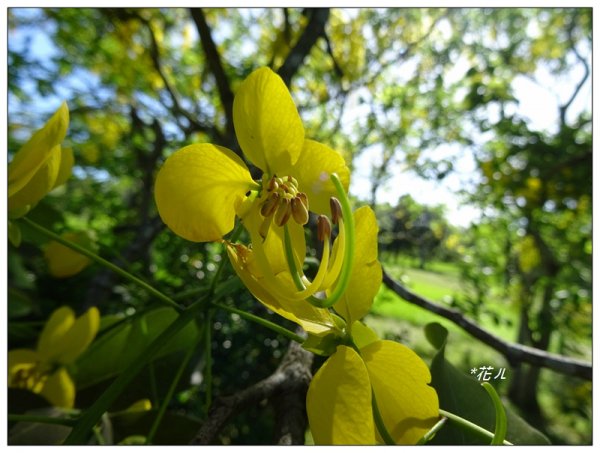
{"points": [[44, 370]]}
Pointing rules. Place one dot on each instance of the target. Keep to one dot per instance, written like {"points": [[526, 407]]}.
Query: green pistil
{"points": [[344, 278]]}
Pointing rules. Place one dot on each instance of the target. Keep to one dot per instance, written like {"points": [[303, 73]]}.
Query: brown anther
{"points": [[270, 205], [303, 199], [292, 181], [299, 211], [272, 185], [284, 211], [336, 210], [323, 228]]}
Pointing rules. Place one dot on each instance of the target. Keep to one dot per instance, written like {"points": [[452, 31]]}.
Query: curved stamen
{"points": [[344, 278], [338, 258]]}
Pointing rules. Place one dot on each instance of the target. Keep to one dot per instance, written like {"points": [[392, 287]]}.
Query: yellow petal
{"points": [[363, 335], [79, 337], [312, 319], [66, 166], [37, 150], [63, 261], [64, 338], [198, 190], [338, 402], [19, 358], [39, 184], [59, 389], [409, 407], [51, 338], [313, 169], [365, 279], [267, 124]]}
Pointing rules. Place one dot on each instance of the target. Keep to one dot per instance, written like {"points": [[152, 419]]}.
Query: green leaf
{"points": [[463, 395], [19, 304], [14, 233], [112, 352]]}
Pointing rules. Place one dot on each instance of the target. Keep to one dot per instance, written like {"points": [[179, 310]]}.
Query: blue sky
{"points": [[539, 99]]}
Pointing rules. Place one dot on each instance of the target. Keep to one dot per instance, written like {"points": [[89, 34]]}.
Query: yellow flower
{"points": [[340, 403], [202, 188], [43, 370], [40, 165], [65, 262]]}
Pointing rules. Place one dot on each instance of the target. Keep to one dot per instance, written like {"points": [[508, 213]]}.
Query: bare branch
{"points": [[173, 94], [586, 68], [336, 67], [315, 28], [215, 65], [288, 383], [514, 353]]}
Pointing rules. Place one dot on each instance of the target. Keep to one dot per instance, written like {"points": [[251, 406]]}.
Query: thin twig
{"points": [[213, 59]]}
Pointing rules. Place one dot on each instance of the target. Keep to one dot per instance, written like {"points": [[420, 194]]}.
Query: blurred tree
{"points": [[414, 230]]}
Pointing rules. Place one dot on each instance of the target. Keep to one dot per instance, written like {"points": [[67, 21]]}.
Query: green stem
{"points": [[171, 391], [379, 423], [41, 419], [344, 278], [469, 425], [263, 322], [432, 432], [501, 425], [160, 296], [91, 416], [208, 376], [97, 430]]}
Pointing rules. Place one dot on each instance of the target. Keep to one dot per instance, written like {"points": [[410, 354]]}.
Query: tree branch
{"points": [[288, 384], [171, 90], [513, 352], [315, 28], [563, 108], [215, 65]]}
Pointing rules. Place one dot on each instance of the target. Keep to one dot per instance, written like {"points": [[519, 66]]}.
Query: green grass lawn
{"points": [[438, 285], [395, 318]]}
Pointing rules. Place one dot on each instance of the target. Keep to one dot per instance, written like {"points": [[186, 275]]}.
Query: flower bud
{"points": [[323, 228], [299, 211], [284, 211], [336, 210]]}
